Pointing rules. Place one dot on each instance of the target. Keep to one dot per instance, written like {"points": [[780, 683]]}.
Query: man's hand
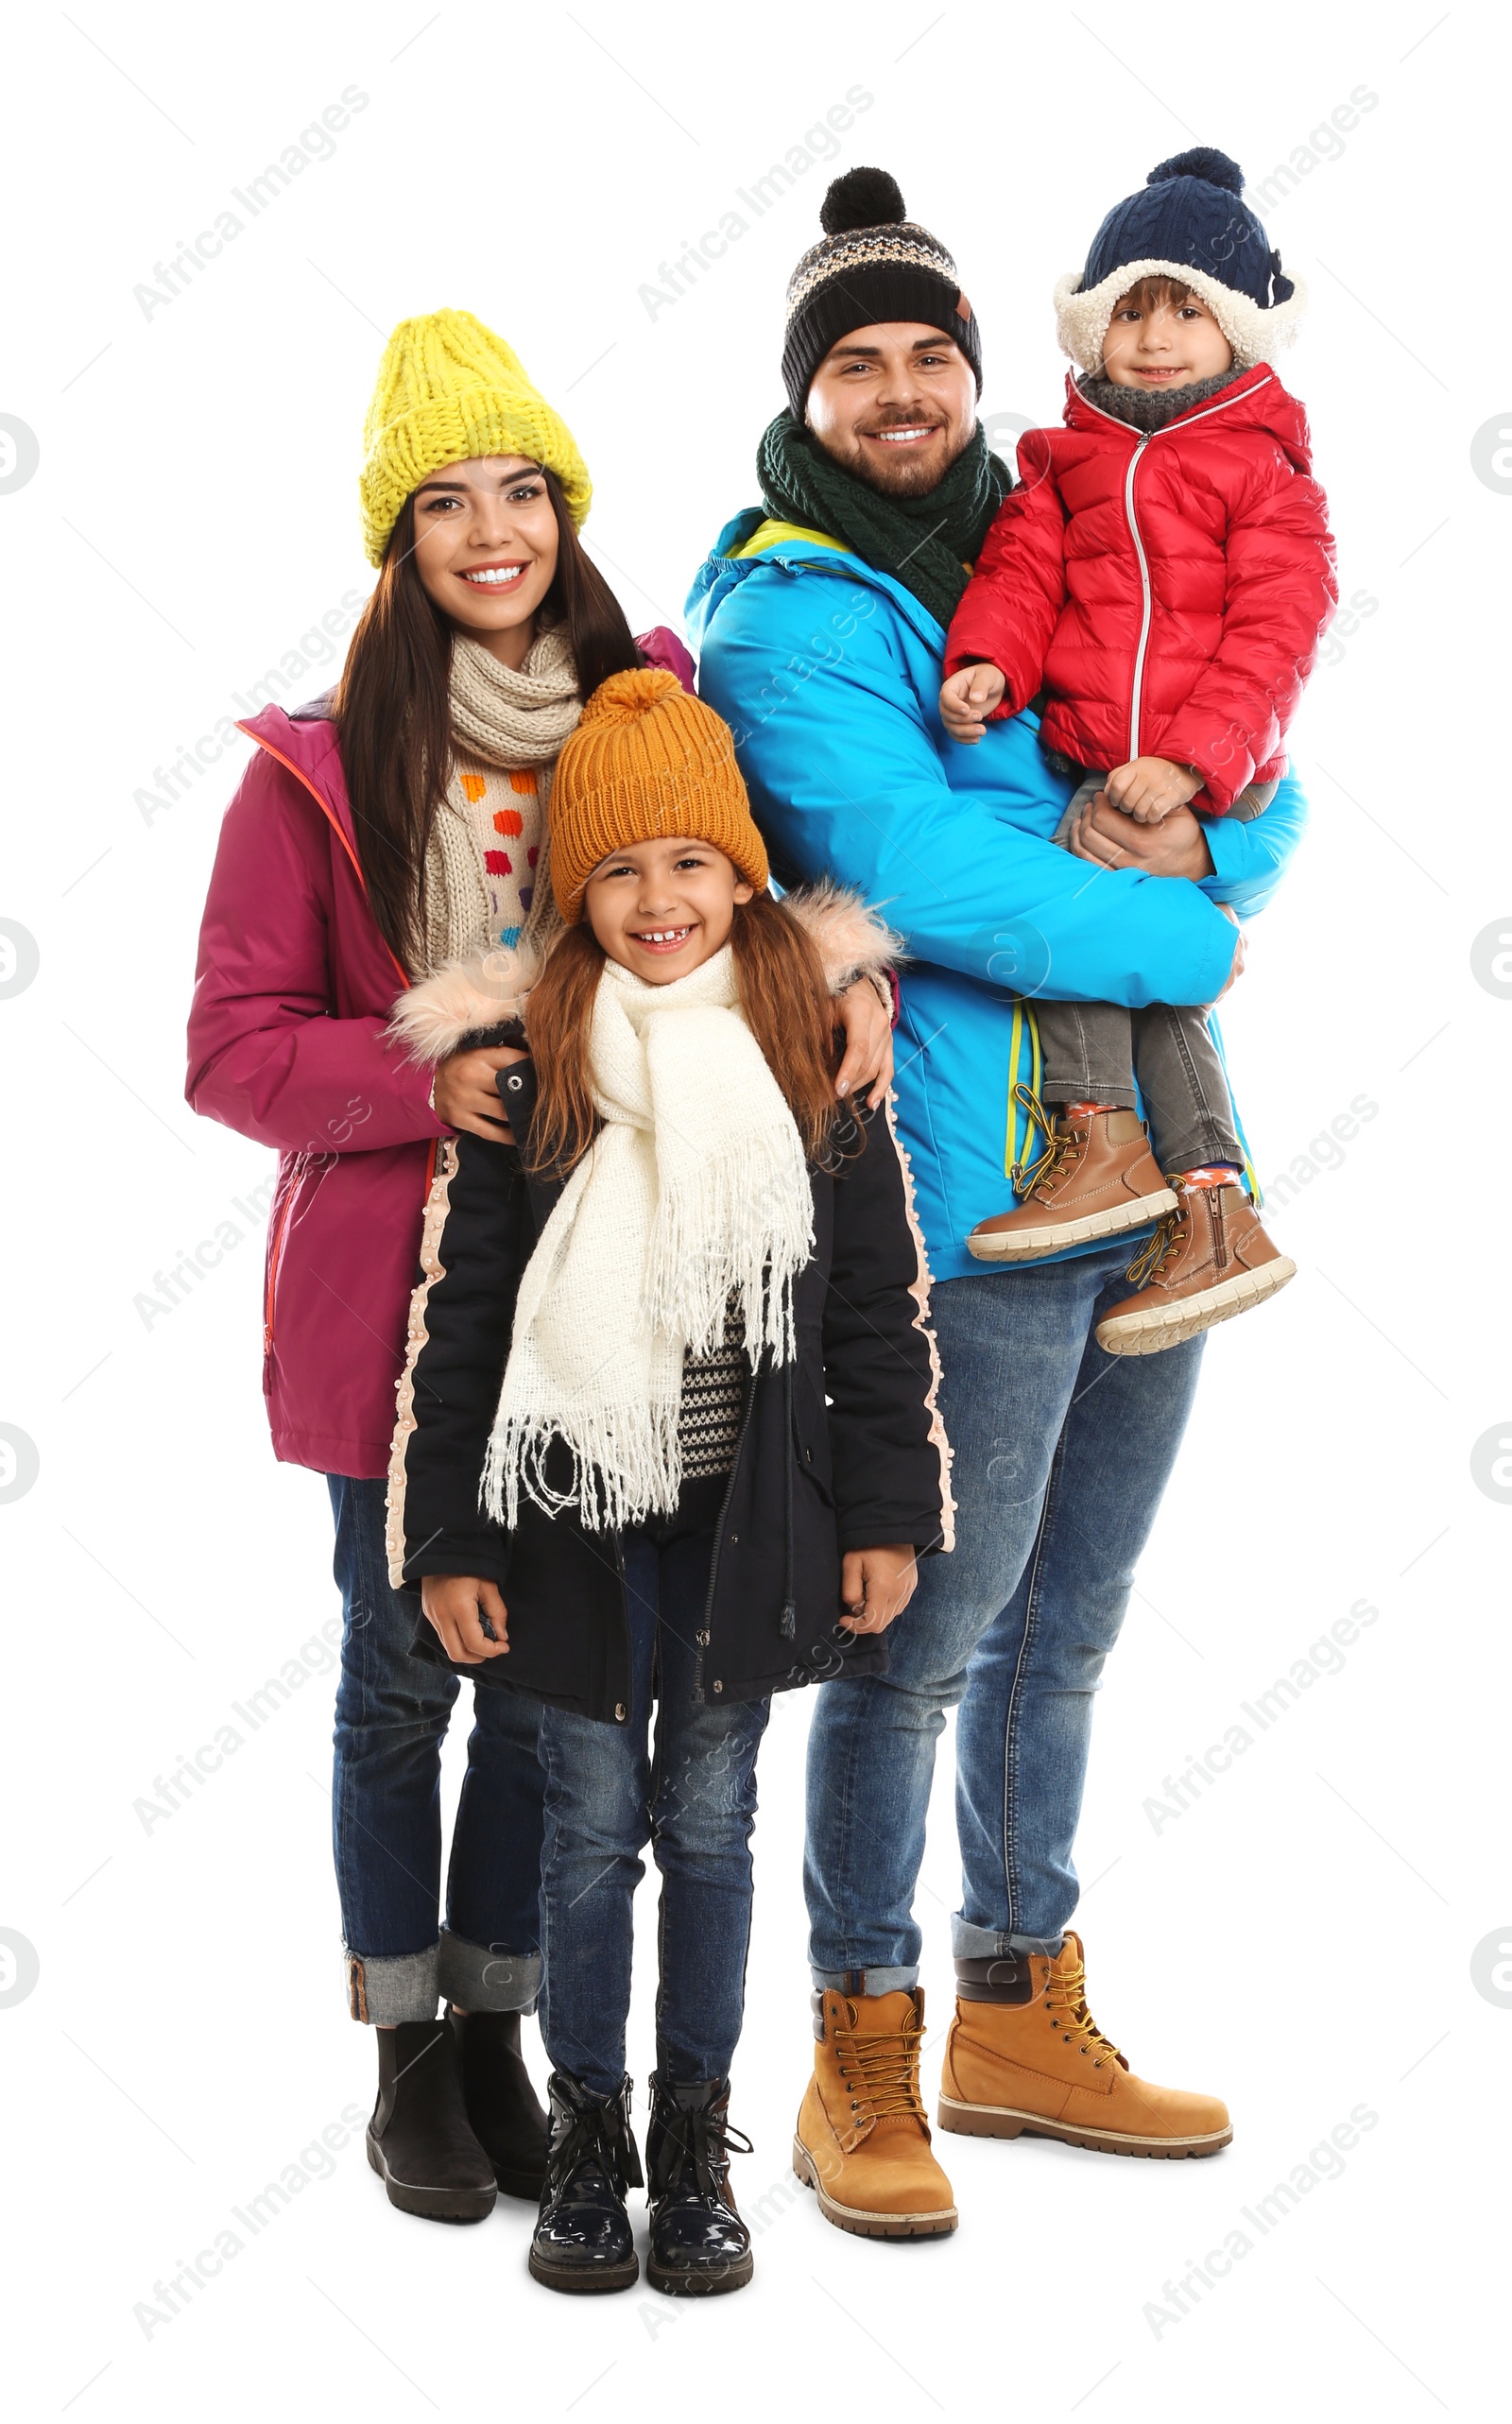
{"points": [[456, 1603], [876, 1584], [868, 1043], [1148, 788], [1177, 846], [465, 1095], [967, 699]]}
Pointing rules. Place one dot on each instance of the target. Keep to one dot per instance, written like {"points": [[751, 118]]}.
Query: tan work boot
{"points": [[1044, 2068], [862, 2138], [1095, 1177], [1208, 1260]]}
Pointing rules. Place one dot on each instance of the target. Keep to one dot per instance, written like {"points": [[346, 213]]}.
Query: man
{"points": [[821, 623]]}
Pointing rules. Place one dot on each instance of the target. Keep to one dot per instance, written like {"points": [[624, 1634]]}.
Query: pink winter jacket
{"points": [[288, 1045]]}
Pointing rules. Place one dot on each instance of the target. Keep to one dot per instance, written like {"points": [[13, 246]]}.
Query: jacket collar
{"points": [[306, 743], [724, 568]]}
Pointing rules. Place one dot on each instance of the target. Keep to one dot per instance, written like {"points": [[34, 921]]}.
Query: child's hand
{"points": [[1148, 788], [456, 1605], [876, 1584], [967, 699]]}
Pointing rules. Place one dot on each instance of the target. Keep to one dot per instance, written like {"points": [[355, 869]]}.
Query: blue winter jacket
{"points": [[829, 673]]}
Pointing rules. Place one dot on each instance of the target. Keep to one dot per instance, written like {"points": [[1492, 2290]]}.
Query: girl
{"points": [[377, 833], [686, 1257]]}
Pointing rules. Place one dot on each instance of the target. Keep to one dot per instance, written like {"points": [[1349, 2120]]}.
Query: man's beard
{"points": [[901, 472]]}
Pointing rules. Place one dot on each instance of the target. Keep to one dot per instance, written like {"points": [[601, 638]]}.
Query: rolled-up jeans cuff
{"points": [[482, 1979], [969, 1943], [866, 1982], [389, 1987]]}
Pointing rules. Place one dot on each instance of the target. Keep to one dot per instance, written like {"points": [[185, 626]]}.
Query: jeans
{"points": [[1061, 1456], [692, 1795], [1094, 1051], [392, 1711]]}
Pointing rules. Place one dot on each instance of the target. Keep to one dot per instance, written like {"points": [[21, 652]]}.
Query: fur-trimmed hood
{"points": [[470, 997], [1257, 333]]}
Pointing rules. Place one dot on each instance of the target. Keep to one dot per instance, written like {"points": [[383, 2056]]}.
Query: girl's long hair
{"points": [[781, 990], [392, 708]]}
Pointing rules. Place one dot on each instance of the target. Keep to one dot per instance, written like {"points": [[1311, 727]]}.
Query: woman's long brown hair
{"points": [[392, 708], [783, 994]]}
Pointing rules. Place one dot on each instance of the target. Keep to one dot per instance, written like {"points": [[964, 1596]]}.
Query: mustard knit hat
{"points": [[646, 759], [448, 390]]}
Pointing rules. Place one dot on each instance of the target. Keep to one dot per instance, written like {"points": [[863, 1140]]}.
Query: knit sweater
{"points": [[504, 817]]}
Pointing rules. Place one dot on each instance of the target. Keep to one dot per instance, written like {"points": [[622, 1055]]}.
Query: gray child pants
{"points": [[1095, 1051]]}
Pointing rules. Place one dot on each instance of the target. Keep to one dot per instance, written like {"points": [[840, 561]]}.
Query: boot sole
{"points": [[856, 2219], [1146, 1333], [1003, 2121], [432, 2204], [698, 2284], [579, 2284], [1023, 1245]]}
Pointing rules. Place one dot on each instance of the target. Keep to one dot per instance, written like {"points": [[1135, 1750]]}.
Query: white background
{"points": [[1301, 1937]]}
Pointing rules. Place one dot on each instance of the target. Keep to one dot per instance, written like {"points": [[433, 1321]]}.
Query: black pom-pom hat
{"points": [[874, 264], [1189, 220]]}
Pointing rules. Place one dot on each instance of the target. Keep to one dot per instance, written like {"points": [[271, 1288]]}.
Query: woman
{"points": [[377, 836]]}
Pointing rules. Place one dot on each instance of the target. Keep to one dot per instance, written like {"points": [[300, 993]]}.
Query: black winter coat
{"points": [[810, 1481]]}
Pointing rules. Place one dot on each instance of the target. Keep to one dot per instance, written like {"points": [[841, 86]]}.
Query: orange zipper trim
{"points": [[274, 1260], [340, 834]]}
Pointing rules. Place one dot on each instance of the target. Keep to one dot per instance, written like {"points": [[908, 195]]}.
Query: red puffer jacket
{"points": [[1168, 588]]}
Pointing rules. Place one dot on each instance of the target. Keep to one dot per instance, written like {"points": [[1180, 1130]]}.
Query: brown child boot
{"points": [[1042, 2068], [1208, 1260], [1095, 1177], [862, 2138]]}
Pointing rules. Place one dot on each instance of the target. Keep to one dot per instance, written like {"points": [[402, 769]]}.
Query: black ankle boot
{"points": [[419, 2140], [699, 2246], [583, 2240], [502, 2105]]}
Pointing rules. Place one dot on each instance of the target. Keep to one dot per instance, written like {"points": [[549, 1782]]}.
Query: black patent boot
{"points": [[699, 2246], [502, 2105], [419, 2140], [584, 2242]]}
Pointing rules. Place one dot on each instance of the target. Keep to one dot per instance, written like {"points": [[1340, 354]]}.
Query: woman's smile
{"points": [[495, 575]]}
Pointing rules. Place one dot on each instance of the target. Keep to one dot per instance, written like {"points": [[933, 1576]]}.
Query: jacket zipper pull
{"points": [[789, 1624]]}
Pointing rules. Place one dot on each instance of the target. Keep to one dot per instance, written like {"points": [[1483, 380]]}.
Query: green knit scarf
{"points": [[927, 543]]}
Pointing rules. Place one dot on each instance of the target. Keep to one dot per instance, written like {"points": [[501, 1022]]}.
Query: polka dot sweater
{"points": [[504, 812]]}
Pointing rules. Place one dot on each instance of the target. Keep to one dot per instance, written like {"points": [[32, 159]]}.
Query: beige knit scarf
{"points": [[507, 719], [694, 1191]]}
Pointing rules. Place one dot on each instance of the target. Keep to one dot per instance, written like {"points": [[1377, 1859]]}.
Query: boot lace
{"points": [[598, 2134], [695, 2152], [1167, 1243], [884, 2069], [1066, 2005], [1061, 1148]]}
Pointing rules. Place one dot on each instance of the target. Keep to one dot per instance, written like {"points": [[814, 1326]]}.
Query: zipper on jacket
{"points": [[702, 1642], [1142, 439], [277, 1256], [1137, 686]]}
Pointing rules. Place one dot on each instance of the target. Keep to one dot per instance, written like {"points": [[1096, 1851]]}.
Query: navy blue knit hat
{"points": [[1190, 221]]}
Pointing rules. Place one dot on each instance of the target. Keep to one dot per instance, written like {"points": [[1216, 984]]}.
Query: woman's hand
{"points": [[1177, 846], [465, 1095], [876, 1584], [456, 1605], [868, 1043]]}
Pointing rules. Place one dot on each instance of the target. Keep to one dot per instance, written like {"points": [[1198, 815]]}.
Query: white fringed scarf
{"points": [[697, 1186]]}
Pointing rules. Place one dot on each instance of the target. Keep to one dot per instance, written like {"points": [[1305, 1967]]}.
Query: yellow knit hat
{"points": [[646, 759], [448, 390]]}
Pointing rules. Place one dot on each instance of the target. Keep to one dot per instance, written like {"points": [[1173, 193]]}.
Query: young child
{"points": [[1165, 573], [687, 1250]]}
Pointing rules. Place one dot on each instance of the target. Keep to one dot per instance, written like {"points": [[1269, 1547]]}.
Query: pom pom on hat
{"points": [[646, 761], [1214, 167], [862, 197]]}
